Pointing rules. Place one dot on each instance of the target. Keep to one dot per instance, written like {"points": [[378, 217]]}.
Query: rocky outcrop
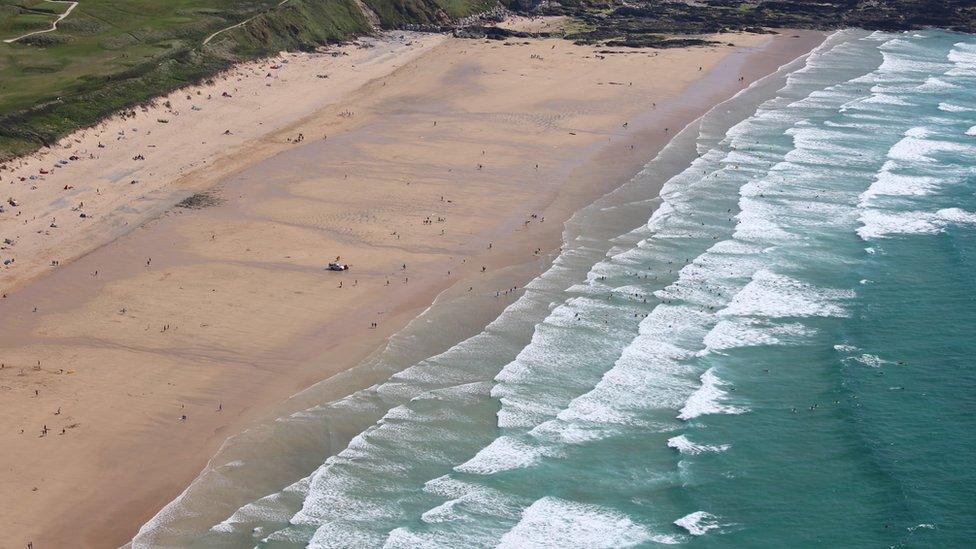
{"points": [[643, 21]]}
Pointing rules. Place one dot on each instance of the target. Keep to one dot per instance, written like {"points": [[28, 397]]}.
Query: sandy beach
{"points": [[141, 335]]}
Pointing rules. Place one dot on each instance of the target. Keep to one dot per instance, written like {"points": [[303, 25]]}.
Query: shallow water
{"points": [[776, 351]]}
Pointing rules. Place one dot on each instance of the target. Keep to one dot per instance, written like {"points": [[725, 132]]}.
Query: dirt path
{"points": [[242, 23], [54, 25]]}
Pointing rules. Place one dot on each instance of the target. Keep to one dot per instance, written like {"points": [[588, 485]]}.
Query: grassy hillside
{"points": [[109, 54], [21, 17]]}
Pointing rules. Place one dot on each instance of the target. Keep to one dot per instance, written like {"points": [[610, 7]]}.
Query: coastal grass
{"points": [[109, 55], [18, 17], [105, 55], [102, 38]]}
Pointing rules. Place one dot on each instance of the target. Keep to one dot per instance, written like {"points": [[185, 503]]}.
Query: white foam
{"points": [[660, 215], [956, 215], [340, 534], [708, 399], [917, 147], [950, 107], [518, 411], [897, 62], [648, 374], [553, 522], [971, 131], [884, 99], [685, 446], [881, 223], [402, 537], [963, 56], [935, 84], [265, 509], [873, 361], [698, 523], [629, 384], [757, 221], [774, 296], [893, 184], [473, 497], [730, 334], [503, 454]]}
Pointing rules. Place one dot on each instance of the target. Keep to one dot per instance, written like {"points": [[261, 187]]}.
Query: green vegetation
{"points": [[107, 54], [112, 54], [21, 17], [107, 37], [199, 201], [395, 13]]}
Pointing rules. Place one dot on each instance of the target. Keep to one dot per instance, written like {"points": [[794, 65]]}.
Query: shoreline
{"points": [[306, 347], [244, 470]]}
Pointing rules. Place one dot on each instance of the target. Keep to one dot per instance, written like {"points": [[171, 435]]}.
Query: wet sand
{"points": [[427, 177]]}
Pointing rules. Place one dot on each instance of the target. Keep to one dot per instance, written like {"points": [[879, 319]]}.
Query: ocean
{"points": [[774, 348]]}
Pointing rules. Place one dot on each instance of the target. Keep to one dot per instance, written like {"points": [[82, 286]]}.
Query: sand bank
{"points": [[422, 164], [99, 183]]}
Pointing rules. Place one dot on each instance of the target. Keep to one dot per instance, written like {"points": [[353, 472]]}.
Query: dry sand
{"points": [[235, 312], [154, 157]]}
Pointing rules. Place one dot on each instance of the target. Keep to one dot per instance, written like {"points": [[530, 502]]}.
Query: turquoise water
{"points": [[776, 351]]}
